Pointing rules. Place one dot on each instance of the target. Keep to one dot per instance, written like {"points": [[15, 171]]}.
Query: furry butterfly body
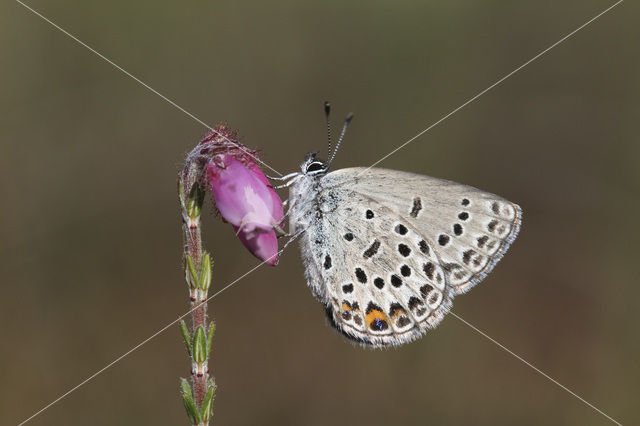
{"points": [[386, 251]]}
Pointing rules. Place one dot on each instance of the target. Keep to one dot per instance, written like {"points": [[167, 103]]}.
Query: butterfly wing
{"points": [[470, 229], [386, 251]]}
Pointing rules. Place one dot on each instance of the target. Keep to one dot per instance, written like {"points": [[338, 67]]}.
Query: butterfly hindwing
{"points": [[380, 287]]}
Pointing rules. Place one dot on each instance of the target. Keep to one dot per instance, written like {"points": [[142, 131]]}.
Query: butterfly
{"points": [[386, 251]]}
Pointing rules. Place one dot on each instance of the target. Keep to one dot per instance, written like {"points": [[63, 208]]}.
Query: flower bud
{"points": [[245, 198]]}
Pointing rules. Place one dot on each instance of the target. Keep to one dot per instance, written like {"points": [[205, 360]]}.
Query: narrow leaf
{"points": [[194, 204], [185, 336], [191, 267], [192, 411], [205, 276], [207, 405], [189, 405], [199, 346], [186, 387]]}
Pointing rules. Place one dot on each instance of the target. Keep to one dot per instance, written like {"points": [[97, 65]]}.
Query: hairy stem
{"points": [[198, 395], [193, 247]]}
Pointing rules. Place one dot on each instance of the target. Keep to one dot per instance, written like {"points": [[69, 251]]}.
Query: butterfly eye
{"points": [[315, 166]]}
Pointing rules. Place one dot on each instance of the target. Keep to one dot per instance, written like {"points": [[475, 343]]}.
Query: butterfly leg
{"points": [[284, 185], [283, 178], [292, 238], [281, 231], [293, 178]]}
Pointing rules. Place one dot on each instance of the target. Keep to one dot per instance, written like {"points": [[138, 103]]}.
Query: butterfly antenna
{"points": [[344, 130], [327, 111]]}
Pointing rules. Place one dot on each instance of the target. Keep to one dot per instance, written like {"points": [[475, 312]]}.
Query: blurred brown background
{"points": [[90, 241]]}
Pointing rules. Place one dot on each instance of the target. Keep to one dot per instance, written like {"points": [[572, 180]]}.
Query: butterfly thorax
{"points": [[307, 201]]}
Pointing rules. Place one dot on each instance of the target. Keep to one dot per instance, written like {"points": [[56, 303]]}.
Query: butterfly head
{"points": [[313, 166]]}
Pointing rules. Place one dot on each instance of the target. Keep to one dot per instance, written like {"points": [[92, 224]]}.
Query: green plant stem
{"points": [[198, 395], [193, 247]]}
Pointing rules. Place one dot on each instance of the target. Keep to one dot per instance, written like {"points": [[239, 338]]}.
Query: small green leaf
{"points": [[206, 408], [205, 276], [193, 275], [185, 336], [192, 411], [212, 329], [189, 405], [194, 204], [186, 387], [199, 346]]}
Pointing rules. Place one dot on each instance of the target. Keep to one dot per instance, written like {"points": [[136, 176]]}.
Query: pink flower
{"points": [[245, 199]]}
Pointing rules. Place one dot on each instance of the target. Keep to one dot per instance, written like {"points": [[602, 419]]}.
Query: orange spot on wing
{"points": [[375, 314]]}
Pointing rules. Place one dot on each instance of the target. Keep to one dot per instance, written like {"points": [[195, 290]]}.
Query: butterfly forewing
{"points": [[386, 251], [470, 229]]}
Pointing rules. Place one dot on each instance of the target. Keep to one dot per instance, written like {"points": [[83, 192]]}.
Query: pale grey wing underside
{"points": [[469, 228], [391, 249]]}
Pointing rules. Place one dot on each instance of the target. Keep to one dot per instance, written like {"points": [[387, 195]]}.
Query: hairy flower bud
{"points": [[241, 192]]}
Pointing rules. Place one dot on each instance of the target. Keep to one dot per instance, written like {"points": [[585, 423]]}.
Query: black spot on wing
{"points": [[405, 270], [417, 206], [372, 307], [404, 250], [428, 269], [327, 262], [401, 229], [425, 290], [378, 282], [396, 281], [466, 256], [416, 305], [395, 309], [378, 325], [372, 250]]}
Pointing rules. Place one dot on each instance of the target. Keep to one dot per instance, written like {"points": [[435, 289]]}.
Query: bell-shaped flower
{"points": [[245, 199]]}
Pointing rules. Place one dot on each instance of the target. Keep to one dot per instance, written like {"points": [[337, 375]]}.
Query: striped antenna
{"points": [[344, 130]]}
